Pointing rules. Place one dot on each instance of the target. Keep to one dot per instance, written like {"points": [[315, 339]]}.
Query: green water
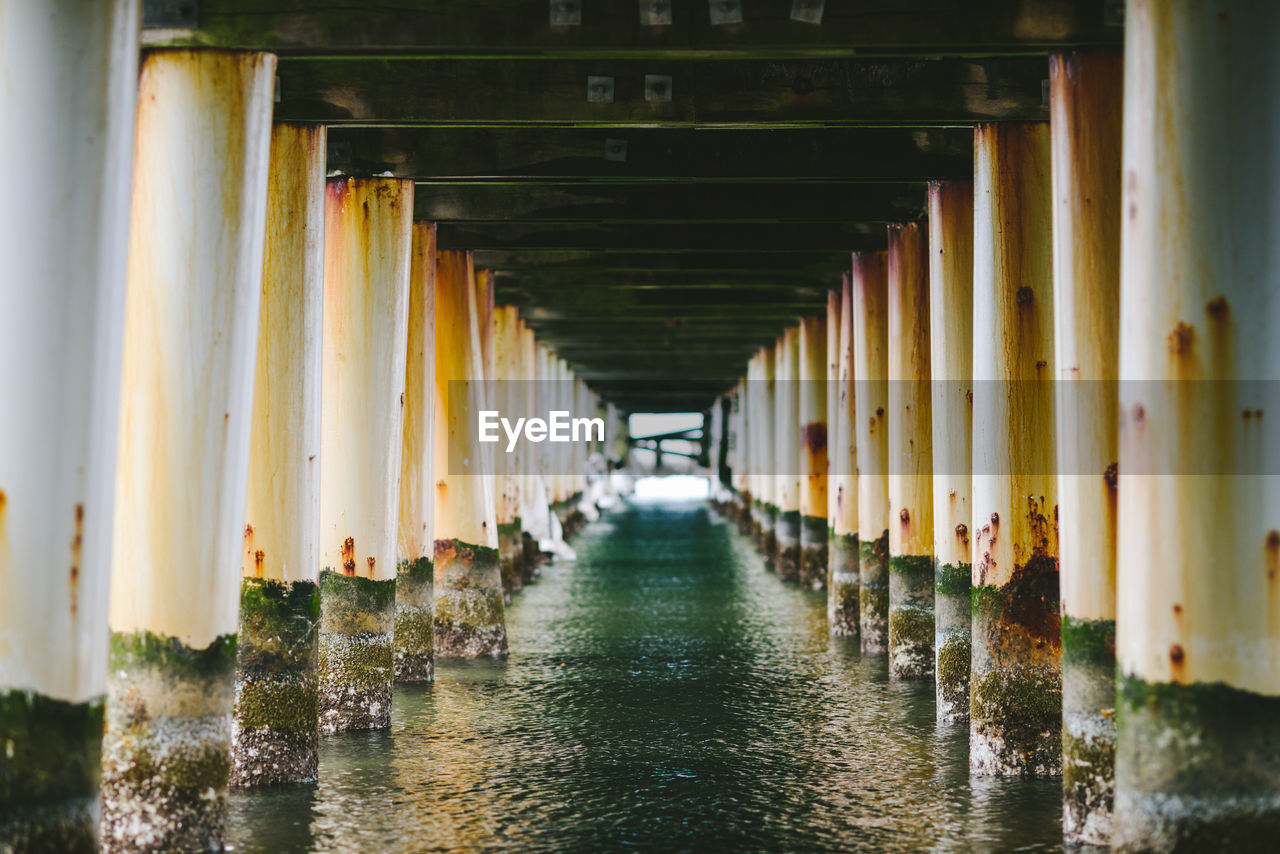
{"points": [[665, 692]]}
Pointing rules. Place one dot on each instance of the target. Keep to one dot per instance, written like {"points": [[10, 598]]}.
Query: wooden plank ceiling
{"points": [[662, 186]]}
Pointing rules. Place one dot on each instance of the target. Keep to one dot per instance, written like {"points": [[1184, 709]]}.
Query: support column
{"points": [[367, 258], [469, 616], [191, 326], [414, 632], [870, 318], [534, 510], [274, 736], [812, 352], [786, 438], [843, 582], [1086, 110], [1198, 622], [1016, 682], [767, 481], [951, 372], [67, 106], [504, 386], [911, 624]]}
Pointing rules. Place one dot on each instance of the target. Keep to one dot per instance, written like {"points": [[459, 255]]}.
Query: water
{"points": [[665, 692]]}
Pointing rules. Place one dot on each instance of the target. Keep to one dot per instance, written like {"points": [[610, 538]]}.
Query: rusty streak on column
{"points": [[842, 486], [413, 639], [812, 349], [870, 317], [197, 229], [274, 736], [951, 372], [368, 251], [910, 456], [1198, 561], [1087, 105], [1016, 679]]}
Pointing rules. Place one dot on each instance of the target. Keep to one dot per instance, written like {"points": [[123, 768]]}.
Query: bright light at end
{"points": [[676, 486]]}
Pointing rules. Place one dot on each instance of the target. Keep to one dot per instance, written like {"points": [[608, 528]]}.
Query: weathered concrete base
{"points": [[274, 733], [1197, 768], [813, 552], [769, 534], [50, 754], [952, 617], [166, 755], [470, 620], [414, 640], [510, 553], [787, 532], [532, 557], [1016, 681], [757, 523], [1088, 729], [873, 593], [357, 617], [571, 518], [843, 583], [741, 512], [911, 624]]}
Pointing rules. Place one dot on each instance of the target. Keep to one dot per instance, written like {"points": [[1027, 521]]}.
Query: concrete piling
{"points": [[911, 625], [843, 582], [191, 322], [368, 252], [870, 319], [786, 444], [274, 733], [505, 387], [413, 635], [812, 350], [67, 109], [1086, 104], [1016, 681], [951, 371]]}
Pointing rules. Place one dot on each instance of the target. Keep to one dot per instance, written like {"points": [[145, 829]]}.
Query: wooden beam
{"points": [[684, 201], [757, 93], [645, 264], [613, 27], [746, 238], [856, 154]]}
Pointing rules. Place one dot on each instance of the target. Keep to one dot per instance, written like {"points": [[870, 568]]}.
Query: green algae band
{"points": [[277, 703], [843, 585], [357, 617], [952, 620], [470, 619], [911, 624], [49, 755], [873, 595], [1088, 727], [414, 636], [813, 552], [165, 752]]}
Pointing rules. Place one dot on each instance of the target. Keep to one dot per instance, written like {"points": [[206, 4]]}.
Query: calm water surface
{"points": [[665, 692]]}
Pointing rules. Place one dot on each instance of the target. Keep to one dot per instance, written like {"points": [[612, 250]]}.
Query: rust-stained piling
{"points": [[1086, 103], [191, 325], [504, 387], [842, 483], [786, 443], [67, 109], [832, 387], [1016, 681], [274, 733], [469, 616], [367, 259], [870, 318], [951, 382], [766, 503], [910, 456], [1198, 560], [414, 632], [812, 351]]}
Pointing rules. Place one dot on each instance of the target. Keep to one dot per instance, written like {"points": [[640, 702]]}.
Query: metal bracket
{"points": [[807, 11], [599, 89], [655, 13], [1113, 13], [657, 87], [615, 150], [566, 13], [725, 12], [170, 14]]}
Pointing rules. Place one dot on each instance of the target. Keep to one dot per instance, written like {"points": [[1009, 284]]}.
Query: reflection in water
{"points": [[666, 692]]}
